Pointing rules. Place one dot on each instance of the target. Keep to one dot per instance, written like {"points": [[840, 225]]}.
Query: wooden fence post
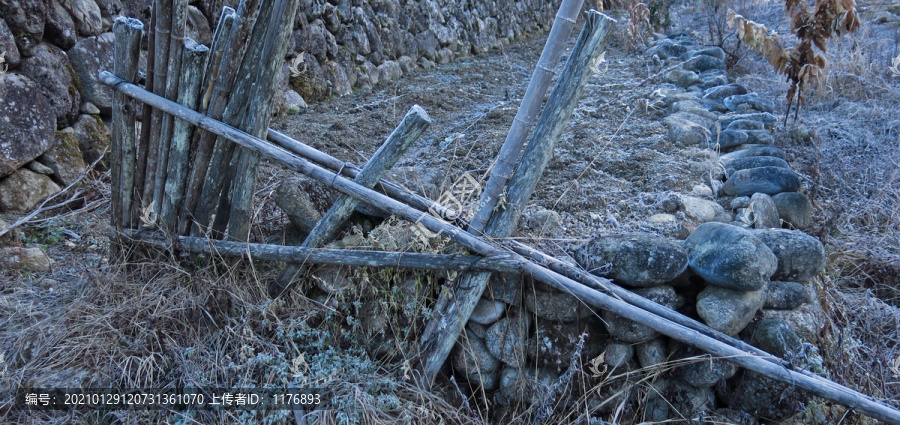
{"points": [[127, 55]]}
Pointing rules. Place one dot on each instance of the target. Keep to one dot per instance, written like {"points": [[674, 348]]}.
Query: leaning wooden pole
{"points": [[127, 53], [815, 385], [193, 64], [454, 307], [525, 116], [303, 255], [147, 113], [413, 125]]}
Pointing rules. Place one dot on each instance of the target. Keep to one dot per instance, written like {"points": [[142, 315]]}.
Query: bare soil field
{"points": [[168, 321]]}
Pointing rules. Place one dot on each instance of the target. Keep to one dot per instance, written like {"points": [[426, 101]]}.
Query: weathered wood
{"points": [[525, 116], [413, 125], [215, 197], [176, 45], [237, 43], [160, 78], [216, 55], [390, 188], [193, 65], [816, 385], [304, 255], [453, 311], [127, 33], [147, 113], [259, 114]]}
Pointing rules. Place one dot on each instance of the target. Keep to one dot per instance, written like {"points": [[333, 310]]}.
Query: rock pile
{"points": [[743, 268]]}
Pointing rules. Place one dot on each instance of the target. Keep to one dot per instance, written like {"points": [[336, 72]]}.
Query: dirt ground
{"points": [[162, 323]]}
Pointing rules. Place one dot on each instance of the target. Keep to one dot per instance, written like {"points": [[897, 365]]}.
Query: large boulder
{"points": [[49, 68], [23, 190], [60, 29], [88, 58], [728, 310], [86, 15], [730, 257], [26, 19], [27, 124], [800, 256], [8, 46], [635, 259]]}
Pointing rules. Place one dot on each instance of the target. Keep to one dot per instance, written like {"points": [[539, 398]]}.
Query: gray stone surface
{"points": [[702, 63], [88, 58], [49, 68], [703, 210], [505, 339], [637, 259], [86, 15], [64, 158], [59, 28], [741, 102], [713, 51], [729, 138], [768, 180], [745, 124], [763, 117], [794, 208], [8, 46], [472, 359], [626, 330], [752, 151], [25, 259], [662, 295], [721, 92], [553, 343], [730, 257], [25, 131], [760, 137], [734, 165], [93, 138], [506, 287], [556, 306], [764, 398], [775, 336], [800, 256], [729, 310], [487, 311], [706, 371], [765, 214], [786, 295], [304, 201], [651, 353], [685, 132], [618, 354], [26, 20], [23, 190]]}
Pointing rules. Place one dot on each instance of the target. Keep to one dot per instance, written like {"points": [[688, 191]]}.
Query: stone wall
{"points": [[52, 51]]}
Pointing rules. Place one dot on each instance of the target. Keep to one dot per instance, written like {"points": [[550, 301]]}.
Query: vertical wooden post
{"points": [[147, 114], [258, 116], [160, 76], [453, 309], [413, 125], [193, 64], [236, 46], [199, 160], [176, 45], [127, 55], [528, 110]]}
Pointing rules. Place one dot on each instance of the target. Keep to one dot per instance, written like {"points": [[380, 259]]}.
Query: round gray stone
{"points": [[505, 340], [556, 306], [737, 164], [27, 126], [651, 353], [487, 311], [794, 208], [729, 256], [800, 256], [707, 371], [471, 357], [765, 214], [786, 295], [702, 63], [721, 92], [626, 330], [768, 180], [752, 151], [617, 354], [745, 124], [775, 336], [637, 259], [728, 310]]}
